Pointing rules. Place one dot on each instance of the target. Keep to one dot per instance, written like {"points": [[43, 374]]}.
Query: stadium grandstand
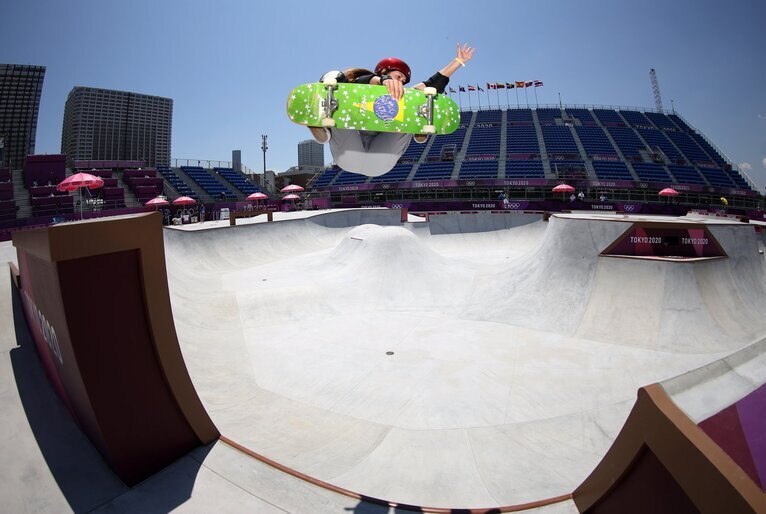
{"points": [[29, 197], [617, 157]]}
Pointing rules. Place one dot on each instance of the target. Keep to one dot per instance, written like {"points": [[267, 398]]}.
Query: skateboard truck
{"points": [[427, 110], [329, 103]]}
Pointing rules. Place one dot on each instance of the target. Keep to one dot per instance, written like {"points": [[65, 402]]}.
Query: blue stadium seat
{"points": [[595, 141], [524, 169], [478, 170], [434, 171], [651, 172], [612, 170], [559, 140], [398, 173], [238, 180], [175, 181], [208, 184]]}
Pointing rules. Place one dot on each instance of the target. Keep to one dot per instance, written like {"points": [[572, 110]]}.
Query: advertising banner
{"points": [[661, 240]]}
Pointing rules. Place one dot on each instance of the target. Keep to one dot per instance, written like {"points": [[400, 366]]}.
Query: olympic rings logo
{"points": [[514, 205], [397, 206], [470, 183], [629, 207]]}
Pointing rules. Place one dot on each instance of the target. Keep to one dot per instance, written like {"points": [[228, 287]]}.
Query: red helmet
{"points": [[392, 63]]}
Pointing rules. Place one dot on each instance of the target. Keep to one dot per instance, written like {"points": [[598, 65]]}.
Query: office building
{"points": [[20, 89], [102, 124], [236, 160], [310, 153]]}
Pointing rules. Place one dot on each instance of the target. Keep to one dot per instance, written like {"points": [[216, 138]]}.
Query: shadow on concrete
{"points": [[83, 476]]}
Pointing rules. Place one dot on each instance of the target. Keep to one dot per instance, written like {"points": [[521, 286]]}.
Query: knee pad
{"points": [[334, 74]]}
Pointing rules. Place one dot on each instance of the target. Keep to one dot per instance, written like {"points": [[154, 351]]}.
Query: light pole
{"points": [[264, 147]]}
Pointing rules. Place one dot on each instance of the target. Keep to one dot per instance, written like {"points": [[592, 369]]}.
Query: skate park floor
{"points": [[468, 361]]}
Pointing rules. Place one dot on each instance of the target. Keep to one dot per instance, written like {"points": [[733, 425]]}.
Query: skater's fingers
{"points": [[395, 89]]}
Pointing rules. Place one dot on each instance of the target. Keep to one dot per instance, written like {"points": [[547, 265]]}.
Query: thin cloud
{"points": [[745, 166], [764, 162]]}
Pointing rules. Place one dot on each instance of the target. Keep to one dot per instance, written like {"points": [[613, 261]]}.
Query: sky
{"points": [[230, 65]]}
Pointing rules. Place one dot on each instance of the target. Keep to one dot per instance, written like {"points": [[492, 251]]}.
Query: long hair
{"points": [[353, 73]]}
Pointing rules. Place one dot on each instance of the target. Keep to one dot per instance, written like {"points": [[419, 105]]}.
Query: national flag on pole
{"points": [[461, 89], [480, 89], [452, 90], [538, 83], [471, 88], [519, 84], [510, 85], [528, 84], [491, 86], [498, 85]]}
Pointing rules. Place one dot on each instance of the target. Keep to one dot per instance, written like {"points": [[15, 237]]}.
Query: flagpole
{"points": [[507, 101], [460, 99], [536, 104], [497, 92], [468, 92], [517, 97], [526, 95], [478, 96]]}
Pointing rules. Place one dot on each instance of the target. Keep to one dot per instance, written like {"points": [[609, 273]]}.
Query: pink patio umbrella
{"points": [[78, 181], [292, 188], [563, 189], [669, 192], [157, 202], [291, 196], [257, 197], [184, 200]]}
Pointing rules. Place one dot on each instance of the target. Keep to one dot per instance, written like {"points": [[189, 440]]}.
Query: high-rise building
{"points": [[236, 160], [20, 89], [102, 124], [310, 153]]}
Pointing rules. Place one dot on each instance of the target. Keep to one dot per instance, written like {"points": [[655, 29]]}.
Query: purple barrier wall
{"points": [[549, 184], [44, 169], [740, 430]]}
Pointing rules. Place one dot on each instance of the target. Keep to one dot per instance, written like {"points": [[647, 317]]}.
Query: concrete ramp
{"points": [[433, 365]]}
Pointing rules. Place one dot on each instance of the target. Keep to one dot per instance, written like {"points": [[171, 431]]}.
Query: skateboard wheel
{"points": [[430, 91], [328, 122], [329, 81], [429, 129]]}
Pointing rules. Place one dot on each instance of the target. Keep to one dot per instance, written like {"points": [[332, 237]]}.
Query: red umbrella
{"points": [[563, 188], [668, 191], [257, 197], [184, 200], [292, 188], [157, 202], [80, 180]]}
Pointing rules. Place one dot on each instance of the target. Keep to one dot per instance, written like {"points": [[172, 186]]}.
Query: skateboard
{"points": [[366, 107]]}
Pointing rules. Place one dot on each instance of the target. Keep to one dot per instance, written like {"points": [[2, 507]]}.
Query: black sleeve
{"points": [[438, 81], [363, 79]]}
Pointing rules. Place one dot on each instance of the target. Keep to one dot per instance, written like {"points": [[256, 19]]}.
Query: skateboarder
{"points": [[375, 153]]}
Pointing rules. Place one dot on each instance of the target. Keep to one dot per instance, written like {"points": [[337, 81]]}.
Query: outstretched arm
{"points": [[464, 54]]}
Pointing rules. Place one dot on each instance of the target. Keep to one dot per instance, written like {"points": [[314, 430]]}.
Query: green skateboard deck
{"points": [[366, 107]]}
